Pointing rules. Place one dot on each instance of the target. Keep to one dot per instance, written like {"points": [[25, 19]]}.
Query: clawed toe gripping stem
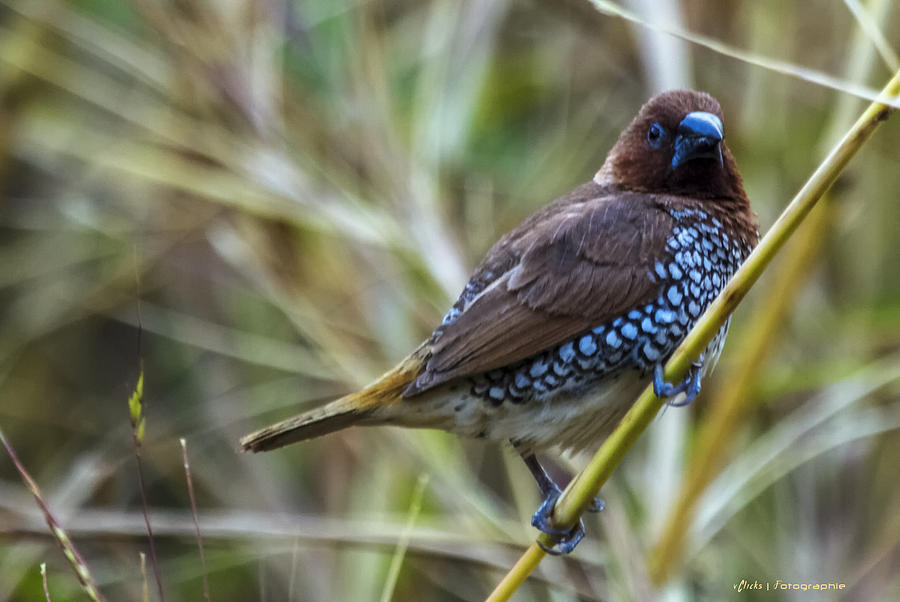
{"points": [[566, 539], [690, 385]]}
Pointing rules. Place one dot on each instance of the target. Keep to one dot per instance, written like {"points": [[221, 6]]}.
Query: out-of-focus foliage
{"points": [[286, 196]]}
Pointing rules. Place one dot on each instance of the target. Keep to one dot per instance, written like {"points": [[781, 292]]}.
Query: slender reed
{"points": [[733, 398]]}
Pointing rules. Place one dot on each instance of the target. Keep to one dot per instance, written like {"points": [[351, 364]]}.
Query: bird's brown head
{"points": [[675, 145]]}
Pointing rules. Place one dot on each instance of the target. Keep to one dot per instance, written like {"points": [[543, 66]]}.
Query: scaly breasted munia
{"points": [[573, 312]]}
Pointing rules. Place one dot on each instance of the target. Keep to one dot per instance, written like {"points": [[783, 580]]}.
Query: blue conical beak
{"points": [[698, 137]]}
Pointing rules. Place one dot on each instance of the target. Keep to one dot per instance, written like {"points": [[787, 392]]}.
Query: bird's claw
{"points": [[565, 539], [596, 505], [690, 385]]}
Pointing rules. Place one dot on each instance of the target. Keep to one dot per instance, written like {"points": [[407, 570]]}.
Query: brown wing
{"points": [[580, 263]]}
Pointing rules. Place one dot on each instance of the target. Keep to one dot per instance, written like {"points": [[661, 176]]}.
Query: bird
{"points": [[574, 312]]}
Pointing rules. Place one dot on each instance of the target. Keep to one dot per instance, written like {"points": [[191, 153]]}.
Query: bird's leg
{"points": [[544, 482], [548, 485], [567, 539], [690, 385]]}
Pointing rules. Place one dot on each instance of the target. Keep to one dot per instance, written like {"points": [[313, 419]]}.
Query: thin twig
{"points": [[585, 485], [190, 486]]}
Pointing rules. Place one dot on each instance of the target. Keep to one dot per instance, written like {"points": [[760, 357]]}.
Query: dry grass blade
{"points": [[190, 487], [810, 75], [59, 533], [828, 420], [870, 27], [244, 346]]}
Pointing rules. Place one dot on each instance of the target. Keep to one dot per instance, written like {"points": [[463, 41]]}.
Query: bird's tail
{"points": [[368, 406]]}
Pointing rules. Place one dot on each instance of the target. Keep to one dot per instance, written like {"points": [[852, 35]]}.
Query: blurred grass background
{"points": [[288, 195]]}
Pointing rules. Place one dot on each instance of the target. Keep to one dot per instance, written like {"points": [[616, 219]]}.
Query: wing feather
{"points": [[580, 263]]}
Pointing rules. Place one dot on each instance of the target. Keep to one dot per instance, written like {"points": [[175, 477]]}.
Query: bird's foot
{"points": [[565, 539], [690, 385]]}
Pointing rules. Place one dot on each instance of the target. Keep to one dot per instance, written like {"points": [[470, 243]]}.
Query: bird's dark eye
{"points": [[655, 135]]}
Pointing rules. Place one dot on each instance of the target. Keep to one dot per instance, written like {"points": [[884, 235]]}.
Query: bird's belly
{"points": [[572, 419]]}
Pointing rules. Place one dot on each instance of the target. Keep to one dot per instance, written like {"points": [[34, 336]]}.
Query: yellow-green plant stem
{"points": [[575, 499], [732, 400], [731, 403], [517, 575]]}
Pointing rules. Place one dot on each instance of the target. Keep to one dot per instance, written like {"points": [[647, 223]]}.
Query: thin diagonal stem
{"points": [[733, 399], [76, 560], [586, 485]]}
